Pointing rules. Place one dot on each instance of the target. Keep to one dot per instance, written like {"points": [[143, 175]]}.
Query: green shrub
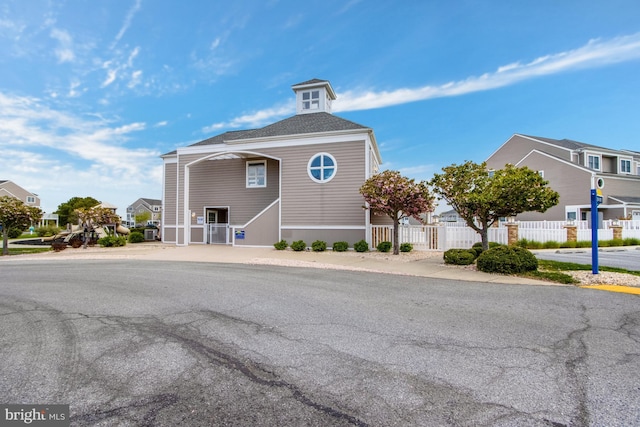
{"points": [[112, 241], [361, 246], [298, 245], [551, 244], [47, 231], [136, 237], [319, 246], [583, 244], [384, 246], [281, 245], [340, 246], [631, 241], [616, 242], [459, 256], [406, 247], [14, 233], [507, 260]]}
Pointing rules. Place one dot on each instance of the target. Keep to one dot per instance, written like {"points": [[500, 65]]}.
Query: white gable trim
{"points": [[582, 168], [531, 139]]}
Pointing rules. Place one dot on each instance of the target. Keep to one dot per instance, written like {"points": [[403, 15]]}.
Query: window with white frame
{"points": [[322, 167], [311, 100], [593, 162], [541, 173], [31, 199], [257, 174], [156, 208], [625, 166]]}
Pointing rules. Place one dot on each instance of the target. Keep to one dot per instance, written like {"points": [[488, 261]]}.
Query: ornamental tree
{"points": [[15, 214], [97, 216], [66, 210], [481, 198], [398, 197]]}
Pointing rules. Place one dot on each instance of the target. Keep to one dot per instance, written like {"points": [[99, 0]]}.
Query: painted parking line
{"points": [[614, 288]]}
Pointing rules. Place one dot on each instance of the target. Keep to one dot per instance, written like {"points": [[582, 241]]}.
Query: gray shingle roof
{"points": [[296, 125], [312, 81], [575, 145]]}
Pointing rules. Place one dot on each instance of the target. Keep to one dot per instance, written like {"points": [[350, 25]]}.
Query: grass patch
{"points": [[551, 276], [21, 251], [557, 266]]}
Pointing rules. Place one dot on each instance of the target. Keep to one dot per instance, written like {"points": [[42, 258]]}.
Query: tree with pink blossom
{"points": [[398, 197], [15, 214]]}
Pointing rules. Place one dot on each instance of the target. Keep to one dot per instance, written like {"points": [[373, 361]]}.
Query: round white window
{"points": [[322, 167]]}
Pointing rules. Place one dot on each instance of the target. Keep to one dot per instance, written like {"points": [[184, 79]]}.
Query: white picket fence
{"points": [[446, 236]]}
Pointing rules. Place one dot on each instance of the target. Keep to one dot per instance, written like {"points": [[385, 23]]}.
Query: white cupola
{"points": [[313, 96]]}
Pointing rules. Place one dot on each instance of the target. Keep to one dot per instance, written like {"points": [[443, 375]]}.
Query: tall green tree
{"points": [[481, 198], [15, 214], [66, 210], [398, 197]]}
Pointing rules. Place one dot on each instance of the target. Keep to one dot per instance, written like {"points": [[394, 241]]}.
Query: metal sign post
{"points": [[596, 199]]}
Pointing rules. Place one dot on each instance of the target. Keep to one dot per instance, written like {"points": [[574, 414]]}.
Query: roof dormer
{"points": [[313, 96]]}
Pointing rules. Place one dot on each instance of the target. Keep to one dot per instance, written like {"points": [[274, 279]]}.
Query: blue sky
{"points": [[93, 92]]}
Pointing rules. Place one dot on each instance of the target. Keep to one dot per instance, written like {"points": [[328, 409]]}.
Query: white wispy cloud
{"points": [[256, 119], [127, 22], [80, 151], [116, 68], [64, 51], [596, 53]]}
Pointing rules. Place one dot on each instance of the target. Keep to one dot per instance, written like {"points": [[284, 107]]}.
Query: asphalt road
{"points": [[628, 258], [187, 344]]}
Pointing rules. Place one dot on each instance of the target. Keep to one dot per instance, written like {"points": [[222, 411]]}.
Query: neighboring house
{"points": [[296, 179], [151, 206], [450, 216], [573, 169], [9, 188]]}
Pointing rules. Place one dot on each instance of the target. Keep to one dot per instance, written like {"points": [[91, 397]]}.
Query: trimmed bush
{"points": [[319, 246], [384, 246], [406, 247], [507, 260], [340, 246], [47, 231], [551, 244], [459, 256], [112, 241], [136, 237], [14, 233], [281, 245], [298, 245], [361, 246]]}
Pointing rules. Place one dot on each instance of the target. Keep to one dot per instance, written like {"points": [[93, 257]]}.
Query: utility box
{"points": [[150, 234]]}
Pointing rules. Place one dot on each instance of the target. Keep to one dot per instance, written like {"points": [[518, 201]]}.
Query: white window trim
{"points": [[321, 168], [599, 157], [31, 199], [256, 162], [630, 166], [313, 105]]}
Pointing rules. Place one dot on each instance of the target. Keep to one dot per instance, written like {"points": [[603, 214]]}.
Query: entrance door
{"points": [[216, 231]]}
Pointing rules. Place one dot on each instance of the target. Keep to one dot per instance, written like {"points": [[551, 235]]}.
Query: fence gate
{"points": [[217, 233]]}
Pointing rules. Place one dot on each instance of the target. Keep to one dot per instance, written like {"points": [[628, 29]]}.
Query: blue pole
{"points": [[594, 231]]}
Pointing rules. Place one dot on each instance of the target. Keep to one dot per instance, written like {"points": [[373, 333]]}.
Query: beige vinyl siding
{"points": [[9, 188], [573, 185], [170, 191], [263, 231], [223, 183], [327, 236], [337, 202], [518, 147]]}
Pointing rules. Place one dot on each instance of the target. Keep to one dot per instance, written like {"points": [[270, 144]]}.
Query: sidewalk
{"points": [[423, 264]]}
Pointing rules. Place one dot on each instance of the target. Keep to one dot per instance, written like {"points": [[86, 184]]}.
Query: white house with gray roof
{"points": [[296, 179], [572, 169]]}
